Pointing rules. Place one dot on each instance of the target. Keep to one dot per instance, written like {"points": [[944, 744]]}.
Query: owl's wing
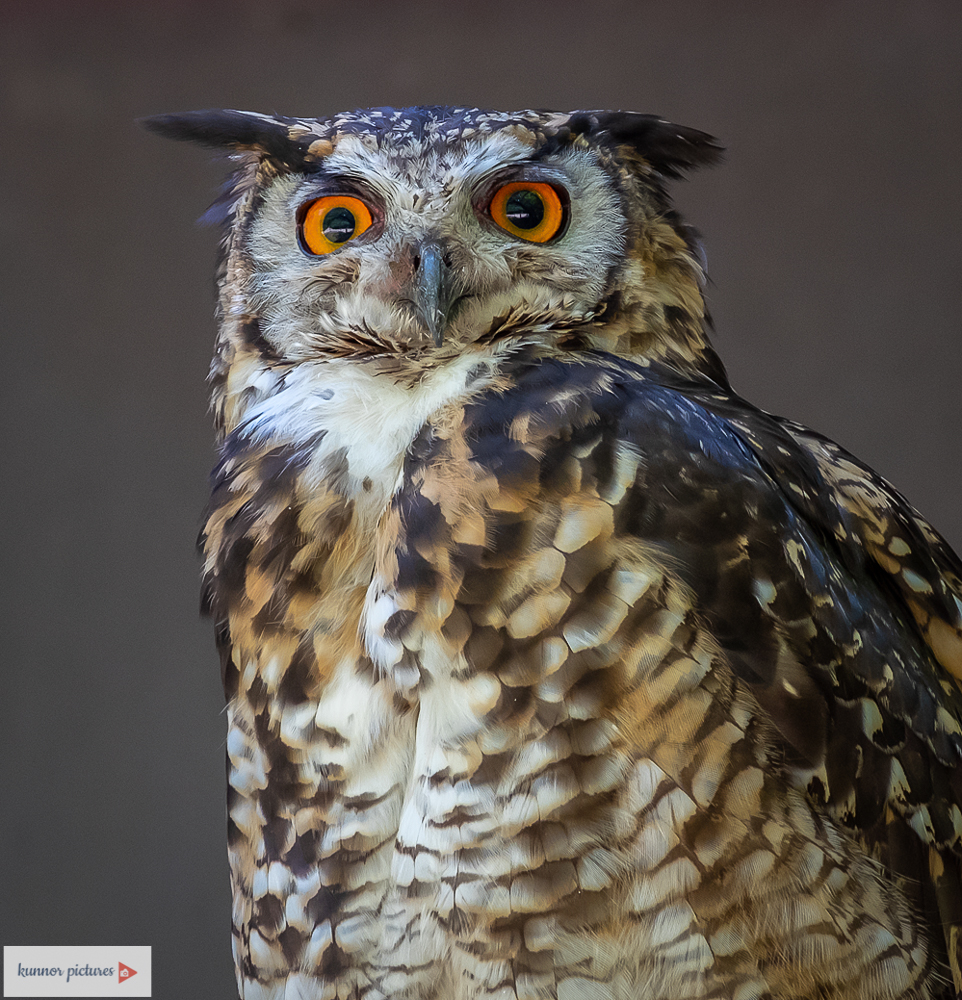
{"points": [[832, 600], [884, 595]]}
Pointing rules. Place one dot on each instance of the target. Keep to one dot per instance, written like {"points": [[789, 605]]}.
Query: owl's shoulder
{"points": [[830, 595]]}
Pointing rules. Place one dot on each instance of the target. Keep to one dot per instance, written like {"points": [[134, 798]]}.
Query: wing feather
{"points": [[836, 604]]}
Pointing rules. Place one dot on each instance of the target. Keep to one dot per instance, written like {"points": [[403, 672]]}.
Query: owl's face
{"points": [[386, 251], [404, 240]]}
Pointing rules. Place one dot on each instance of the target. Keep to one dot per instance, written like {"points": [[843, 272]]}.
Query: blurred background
{"points": [[834, 239]]}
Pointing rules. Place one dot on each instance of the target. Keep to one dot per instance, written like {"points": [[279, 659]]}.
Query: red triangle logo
{"points": [[125, 972]]}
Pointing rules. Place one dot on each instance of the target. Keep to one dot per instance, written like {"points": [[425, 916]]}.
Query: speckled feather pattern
{"points": [[555, 669]]}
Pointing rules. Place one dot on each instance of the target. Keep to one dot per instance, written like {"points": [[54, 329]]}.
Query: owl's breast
{"points": [[482, 735], [295, 521]]}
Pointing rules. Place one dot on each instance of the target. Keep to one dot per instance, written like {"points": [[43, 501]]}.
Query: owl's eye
{"points": [[529, 210], [330, 222]]}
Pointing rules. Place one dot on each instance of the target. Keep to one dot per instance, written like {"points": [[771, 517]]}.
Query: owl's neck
{"points": [[658, 311]]}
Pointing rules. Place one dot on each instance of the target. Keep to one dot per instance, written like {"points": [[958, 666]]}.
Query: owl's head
{"points": [[401, 239]]}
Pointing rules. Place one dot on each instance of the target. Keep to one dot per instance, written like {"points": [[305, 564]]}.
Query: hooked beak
{"points": [[433, 288]]}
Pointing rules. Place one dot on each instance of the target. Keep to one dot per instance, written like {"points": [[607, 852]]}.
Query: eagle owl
{"points": [[555, 669]]}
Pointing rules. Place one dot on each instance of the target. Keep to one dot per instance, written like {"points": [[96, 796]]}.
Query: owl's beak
{"points": [[433, 287]]}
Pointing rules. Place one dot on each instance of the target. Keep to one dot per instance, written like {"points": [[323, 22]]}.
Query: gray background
{"points": [[833, 236]]}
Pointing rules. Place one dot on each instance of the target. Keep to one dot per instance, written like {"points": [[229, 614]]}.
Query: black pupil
{"points": [[524, 209], [339, 225]]}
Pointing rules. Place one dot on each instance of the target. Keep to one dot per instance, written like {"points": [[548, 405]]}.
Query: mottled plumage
{"points": [[555, 669]]}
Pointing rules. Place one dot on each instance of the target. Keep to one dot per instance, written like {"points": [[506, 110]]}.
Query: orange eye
{"points": [[529, 210], [331, 221]]}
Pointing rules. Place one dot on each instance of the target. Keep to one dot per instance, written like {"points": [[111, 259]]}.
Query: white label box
{"points": [[73, 971]]}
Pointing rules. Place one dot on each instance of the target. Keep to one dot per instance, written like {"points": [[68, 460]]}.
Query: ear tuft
{"points": [[671, 149], [241, 130]]}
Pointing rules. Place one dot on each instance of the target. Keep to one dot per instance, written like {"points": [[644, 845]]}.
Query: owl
{"points": [[554, 668]]}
